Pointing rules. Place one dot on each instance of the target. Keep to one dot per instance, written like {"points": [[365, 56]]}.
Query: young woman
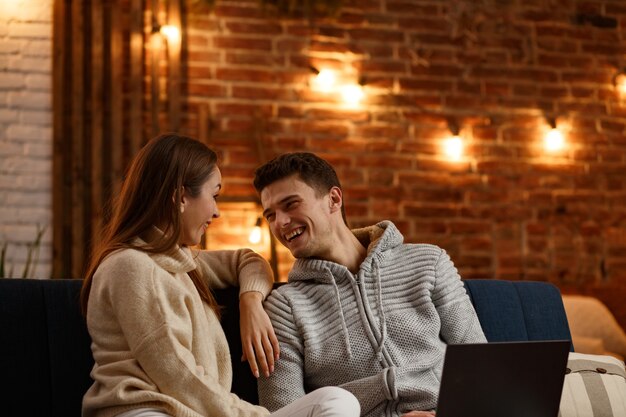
{"points": [[158, 346]]}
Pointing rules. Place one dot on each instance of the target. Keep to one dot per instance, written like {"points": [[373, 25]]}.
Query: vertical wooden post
{"points": [[155, 48], [117, 67], [61, 180], [136, 76], [77, 107], [97, 119], [173, 57], [91, 144]]}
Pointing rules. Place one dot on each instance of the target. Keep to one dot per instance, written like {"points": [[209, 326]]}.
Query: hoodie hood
{"points": [[377, 238]]}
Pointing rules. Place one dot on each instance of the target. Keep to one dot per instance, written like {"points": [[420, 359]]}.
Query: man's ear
{"points": [[335, 199]]}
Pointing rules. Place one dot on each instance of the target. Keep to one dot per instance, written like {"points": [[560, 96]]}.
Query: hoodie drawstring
{"points": [[379, 296], [344, 326]]}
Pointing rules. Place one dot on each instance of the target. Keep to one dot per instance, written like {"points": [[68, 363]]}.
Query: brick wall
{"points": [[25, 131], [498, 70]]}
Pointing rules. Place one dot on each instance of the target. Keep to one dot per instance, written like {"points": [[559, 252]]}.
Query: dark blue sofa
{"points": [[45, 357]]}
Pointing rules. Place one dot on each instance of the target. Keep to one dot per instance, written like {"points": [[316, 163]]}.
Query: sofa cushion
{"points": [[518, 310], [595, 386]]}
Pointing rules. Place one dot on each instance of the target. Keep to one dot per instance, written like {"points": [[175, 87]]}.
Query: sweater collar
{"points": [[377, 238], [179, 259]]}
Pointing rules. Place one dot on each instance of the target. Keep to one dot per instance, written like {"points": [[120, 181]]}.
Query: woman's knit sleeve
{"points": [[244, 268]]}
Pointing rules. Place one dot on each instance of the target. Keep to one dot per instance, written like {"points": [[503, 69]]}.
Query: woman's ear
{"points": [[335, 198], [183, 199]]}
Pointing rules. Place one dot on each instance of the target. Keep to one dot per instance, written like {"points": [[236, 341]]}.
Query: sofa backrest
{"points": [[45, 356], [519, 310]]}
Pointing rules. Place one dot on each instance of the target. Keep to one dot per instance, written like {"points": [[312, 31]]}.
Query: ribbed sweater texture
{"points": [[156, 343], [380, 333]]}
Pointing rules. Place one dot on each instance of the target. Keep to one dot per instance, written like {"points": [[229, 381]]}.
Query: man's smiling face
{"points": [[298, 217]]}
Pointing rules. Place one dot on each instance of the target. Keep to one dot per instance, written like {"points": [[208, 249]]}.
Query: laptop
{"points": [[503, 379]]}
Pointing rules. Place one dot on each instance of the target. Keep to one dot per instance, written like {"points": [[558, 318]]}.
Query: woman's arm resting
{"points": [[259, 342]]}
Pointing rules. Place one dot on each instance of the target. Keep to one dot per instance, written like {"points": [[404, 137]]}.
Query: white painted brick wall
{"points": [[26, 131]]}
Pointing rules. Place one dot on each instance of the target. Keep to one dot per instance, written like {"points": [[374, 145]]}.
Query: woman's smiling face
{"points": [[198, 212]]}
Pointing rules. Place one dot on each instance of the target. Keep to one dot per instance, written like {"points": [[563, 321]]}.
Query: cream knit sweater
{"points": [[156, 343]]}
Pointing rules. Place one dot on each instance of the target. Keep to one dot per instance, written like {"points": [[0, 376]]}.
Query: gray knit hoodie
{"points": [[380, 333]]}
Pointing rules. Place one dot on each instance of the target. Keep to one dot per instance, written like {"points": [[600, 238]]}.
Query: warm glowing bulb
{"points": [[454, 148], [171, 32], [325, 80], [620, 82], [554, 140], [255, 235], [352, 94]]}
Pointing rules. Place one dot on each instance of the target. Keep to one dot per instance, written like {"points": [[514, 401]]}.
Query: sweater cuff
{"points": [[260, 283]]}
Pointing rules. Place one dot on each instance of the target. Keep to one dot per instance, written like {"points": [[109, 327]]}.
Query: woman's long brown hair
{"points": [[151, 195]]}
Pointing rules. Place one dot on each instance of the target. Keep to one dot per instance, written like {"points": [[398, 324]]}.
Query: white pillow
{"points": [[595, 386]]}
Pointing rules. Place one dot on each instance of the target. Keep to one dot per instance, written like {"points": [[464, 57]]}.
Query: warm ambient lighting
{"points": [[619, 81], [554, 140], [329, 81], [352, 94], [171, 32], [453, 148], [255, 234], [325, 80]]}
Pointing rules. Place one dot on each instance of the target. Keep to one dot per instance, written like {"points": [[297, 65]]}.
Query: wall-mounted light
{"points": [[256, 232], [453, 145], [619, 80], [553, 141], [330, 81], [352, 94], [171, 33], [324, 80]]}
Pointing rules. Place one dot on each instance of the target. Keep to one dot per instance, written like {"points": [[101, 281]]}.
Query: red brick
{"points": [[425, 84], [230, 42], [377, 35], [321, 128], [386, 66], [612, 126], [231, 10], [250, 58], [233, 110], [249, 75], [206, 89], [405, 8], [328, 47], [387, 161], [260, 93], [444, 166], [382, 131], [350, 18], [476, 244], [249, 28], [473, 227], [429, 211], [499, 89]]}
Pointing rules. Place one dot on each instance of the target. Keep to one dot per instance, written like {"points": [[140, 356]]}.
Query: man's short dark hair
{"points": [[314, 171]]}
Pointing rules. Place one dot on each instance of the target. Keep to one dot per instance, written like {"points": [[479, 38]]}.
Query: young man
{"points": [[362, 310]]}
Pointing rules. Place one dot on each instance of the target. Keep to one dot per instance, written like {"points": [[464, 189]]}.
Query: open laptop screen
{"points": [[504, 379]]}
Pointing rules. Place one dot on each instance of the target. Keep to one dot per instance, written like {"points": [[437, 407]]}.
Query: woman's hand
{"points": [[258, 340], [419, 414]]}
